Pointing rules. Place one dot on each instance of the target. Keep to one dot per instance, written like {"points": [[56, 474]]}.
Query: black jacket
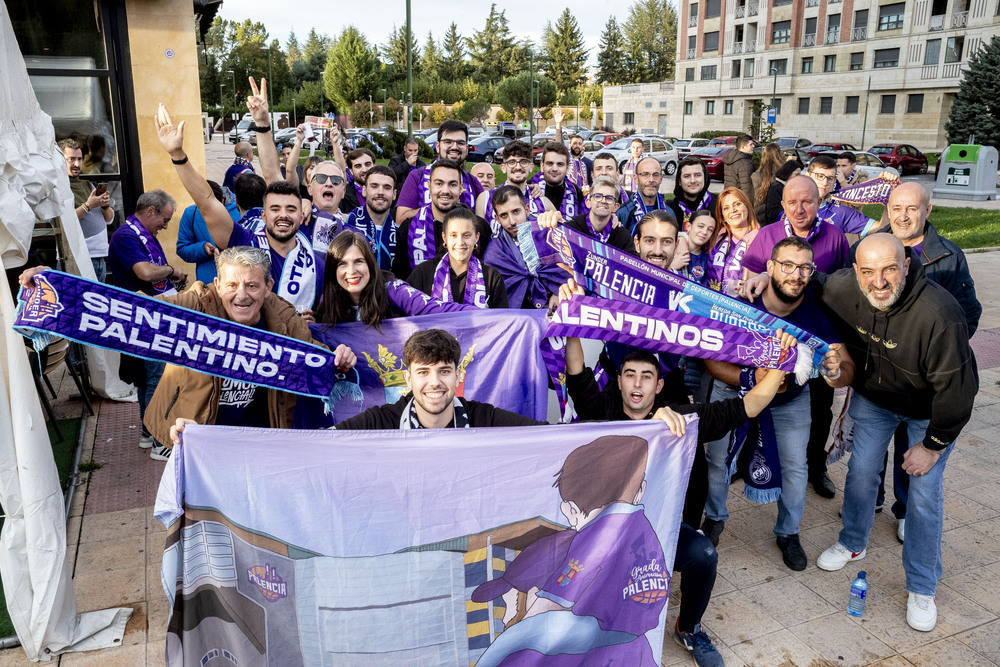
{"points": [[619, 237], [738, 167], [913, 359], [386, 417], [422, 278], [401, 168], [944, 263]]}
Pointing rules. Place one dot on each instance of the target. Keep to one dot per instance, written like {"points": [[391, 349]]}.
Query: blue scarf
{"points": [[762, 474], [381, 239], [641, 210]]}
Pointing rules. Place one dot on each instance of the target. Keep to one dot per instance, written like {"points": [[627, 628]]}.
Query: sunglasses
{"points": [[333, 178]]}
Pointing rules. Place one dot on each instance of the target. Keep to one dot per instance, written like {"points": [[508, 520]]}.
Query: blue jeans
{"points": [[873, 429], [100, 267], [154, 370], [791, 430]]}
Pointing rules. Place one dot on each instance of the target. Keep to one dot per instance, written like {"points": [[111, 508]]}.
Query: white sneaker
{"points": [[837, 557], [146, 441], [901, 529], [160, 453], [921, 612]]}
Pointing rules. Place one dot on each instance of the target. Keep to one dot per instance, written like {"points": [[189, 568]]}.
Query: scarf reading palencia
{"points": [[475, 286], [154, 251]]}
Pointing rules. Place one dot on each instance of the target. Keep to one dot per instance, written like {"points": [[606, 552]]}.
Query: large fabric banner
{"points": [[501, 359], [424, 547], [873, 191]]}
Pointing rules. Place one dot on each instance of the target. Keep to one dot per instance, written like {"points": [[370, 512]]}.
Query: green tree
{"points": [[395, 53], [651, 38], [364, 114], [976, 109], [565, 58], [314, 54], [352, 69], [504, 116], [393, 110], [453, 62], [492, 49], [439, 113], [293, 52], [473, 111], [611, 59], [514, 92], [430, 61]]}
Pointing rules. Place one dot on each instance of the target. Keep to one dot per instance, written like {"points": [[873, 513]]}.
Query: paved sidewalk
{"points": [[761, 613]]}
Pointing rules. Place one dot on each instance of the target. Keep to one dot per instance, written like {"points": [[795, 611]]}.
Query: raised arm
{"points": [[267, 152], [557, 117], [217, 218], [292, 165], [336, 138]]}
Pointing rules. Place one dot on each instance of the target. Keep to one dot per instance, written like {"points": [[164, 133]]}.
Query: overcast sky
{"points": [[376, 19]]}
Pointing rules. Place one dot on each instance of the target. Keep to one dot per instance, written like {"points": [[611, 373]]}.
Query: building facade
{"points": [[855, 71]]}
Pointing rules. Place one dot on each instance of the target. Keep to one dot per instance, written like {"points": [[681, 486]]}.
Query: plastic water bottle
{"points": [[859, 591]]}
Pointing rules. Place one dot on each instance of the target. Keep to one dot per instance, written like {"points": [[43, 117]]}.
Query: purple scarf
{"points": [[577, 173], [727, 264], [533, 204], [874, 191], [507, 256], [154, 251], [810, 235], [688, 212], [420, 242], [641, 210], [604, 234], [570, 206], [475, 286]]}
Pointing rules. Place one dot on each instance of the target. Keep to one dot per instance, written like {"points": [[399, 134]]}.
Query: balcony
{"points": [[812, 3], [691, 53], [859, 34], [831, 2], [929, 72], [832, 36], [741, 11], [738, 48], [809, 40], [692, 21], [750, 46], [937, 23], [951, 70], [741, 84], [752, 8], [959, 19]]}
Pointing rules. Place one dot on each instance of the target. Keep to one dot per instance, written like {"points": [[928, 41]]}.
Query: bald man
{"points": [[241, 165], [914, 367], [487, 177], [649, 176]]}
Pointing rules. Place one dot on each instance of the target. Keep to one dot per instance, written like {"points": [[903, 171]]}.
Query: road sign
{"points": [[538, 114], [772, 116]]}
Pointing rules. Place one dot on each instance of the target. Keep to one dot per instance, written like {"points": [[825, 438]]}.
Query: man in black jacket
{"points": [[738, 165], [405, 162], [910, 340]]}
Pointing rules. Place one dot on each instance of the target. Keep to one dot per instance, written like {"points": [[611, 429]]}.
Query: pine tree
{"points": [[651, 38], [976, 109], [315, 54], [294, 52], [395, 53], [352, 69], [565, 57], [490, 49], [430, 62], [611, 63], [453, 64]]}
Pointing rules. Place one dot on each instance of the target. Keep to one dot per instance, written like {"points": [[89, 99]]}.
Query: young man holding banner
{"points": [[599, 222]]}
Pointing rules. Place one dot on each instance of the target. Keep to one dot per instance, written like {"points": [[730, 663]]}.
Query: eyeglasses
{"points": [[453, 142], [821, 177], [333, 178], [608, 199], [804, 270], [524, 164], [647, 174]]}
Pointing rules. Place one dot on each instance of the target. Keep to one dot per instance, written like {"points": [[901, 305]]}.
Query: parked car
{"points": [[868, 164], [902, 157], [651, 146], [538, 143], [794, 142], [243, 127], [484, 148], [723, 141], [816, 149], [606, 138], [285, 136], [685, 146], [712, 157]]}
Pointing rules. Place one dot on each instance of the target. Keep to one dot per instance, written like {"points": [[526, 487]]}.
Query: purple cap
{"points": [[532, 568]]}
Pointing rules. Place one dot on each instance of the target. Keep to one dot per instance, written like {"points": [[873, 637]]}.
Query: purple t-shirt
{"points": [[125, 250], [613, 571], [243, 236], [830, 248], [412, 194]]}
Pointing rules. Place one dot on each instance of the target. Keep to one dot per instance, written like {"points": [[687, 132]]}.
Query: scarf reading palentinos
{"points": [[762, 473], [475, 286], [874, 191], [104, 316], [154, 251], [468, 189]]}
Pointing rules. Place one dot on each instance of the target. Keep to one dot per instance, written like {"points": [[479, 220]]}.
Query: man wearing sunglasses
{"points": [[326, 190], [599, 222]]}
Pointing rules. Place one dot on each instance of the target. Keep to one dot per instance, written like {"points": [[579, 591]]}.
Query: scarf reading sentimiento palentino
{"points": [[475, 286]]}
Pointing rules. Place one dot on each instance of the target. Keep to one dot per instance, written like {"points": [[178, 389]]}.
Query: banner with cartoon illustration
{"points": [[501, 360], [436, 547]]}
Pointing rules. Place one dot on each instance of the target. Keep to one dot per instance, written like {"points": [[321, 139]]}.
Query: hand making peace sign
{"points": [[257, 103]]}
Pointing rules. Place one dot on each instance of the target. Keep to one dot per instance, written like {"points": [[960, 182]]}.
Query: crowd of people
{"points": [[319, 242]]}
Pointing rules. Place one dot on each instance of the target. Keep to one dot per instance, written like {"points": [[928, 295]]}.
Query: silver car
{"points": [[652, 146], [685, 146]]}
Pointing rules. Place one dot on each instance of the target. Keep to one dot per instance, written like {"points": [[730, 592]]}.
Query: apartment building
{"points": [[842, 70]]}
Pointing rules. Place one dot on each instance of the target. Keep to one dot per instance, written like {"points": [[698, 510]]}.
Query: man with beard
{"points": [[295, 269], [597, 223], [565, 196], [452, 145], [516, 166], [374, 218], [418, 239], [649, 175], [786, 425], [691, 190], [919, 371], [656, 238], [92, 208], [406, 162], [359, 161]]}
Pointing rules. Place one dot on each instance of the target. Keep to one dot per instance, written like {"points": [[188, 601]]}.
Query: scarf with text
{"points": [[154, 251], [577, 173], [688, 211], [420, 242], [381, 238], [571, 205], [536, 281], [475, 285], [298, 281], [762, 468], [874, 191], [726, 267]]}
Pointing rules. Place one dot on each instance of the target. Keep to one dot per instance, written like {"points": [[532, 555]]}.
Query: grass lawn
{"points": [[63, 452], [966, 227]]}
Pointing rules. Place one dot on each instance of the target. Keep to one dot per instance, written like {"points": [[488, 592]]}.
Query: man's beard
{"points": [[783, 296], [889, 301], [576, 152]]}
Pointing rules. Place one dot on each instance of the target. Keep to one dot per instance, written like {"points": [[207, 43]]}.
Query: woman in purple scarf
{"points": [[736, 230]]}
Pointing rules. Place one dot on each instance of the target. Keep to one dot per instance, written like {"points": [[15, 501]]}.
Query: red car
{"points": [[816, 149], [606, 137], [712, 157], [723, 141], [902, 157]]}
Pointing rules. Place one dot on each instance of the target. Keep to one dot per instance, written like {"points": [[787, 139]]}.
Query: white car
{"points": [[685, 146], [868, 164], [657, 147]]}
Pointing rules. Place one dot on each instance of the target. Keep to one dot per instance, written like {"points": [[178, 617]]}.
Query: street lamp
{"points": [[236, 99], [402, 100], [322, 95], [774, 90], [371, 112], [385, 101], [593, 114], [294, 120]]}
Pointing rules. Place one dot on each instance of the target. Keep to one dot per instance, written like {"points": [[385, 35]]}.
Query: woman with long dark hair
{"points": [[355, 288], [771, 160]]}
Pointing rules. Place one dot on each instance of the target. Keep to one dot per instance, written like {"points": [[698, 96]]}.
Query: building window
{"points": [[693, 12], [688, 108], [932, 52], [953, 51], [807, 65], [826, 105], [915, 103], [628, 117], [727, 107], [689, 74], [890, 17], [803, 105], [736, 69], [710, 107], [851, 106], [708, 72], [886, 58], [748, 68], [692, 42], [858, 60], [829, 63], [663, 105], [888, 104], [712, 41], [779, 3], [781, 32], [860, 23], [649, 105], [713, 8], [779, 66]]}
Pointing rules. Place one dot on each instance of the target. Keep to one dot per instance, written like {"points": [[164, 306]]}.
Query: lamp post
{"points": [[294, 121], [270, 107], [577, 117], [593, 115], [402, 104], [774, 91], [385, 101], [409, 74], [531, 99], [371, 112], [236, 99]]}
